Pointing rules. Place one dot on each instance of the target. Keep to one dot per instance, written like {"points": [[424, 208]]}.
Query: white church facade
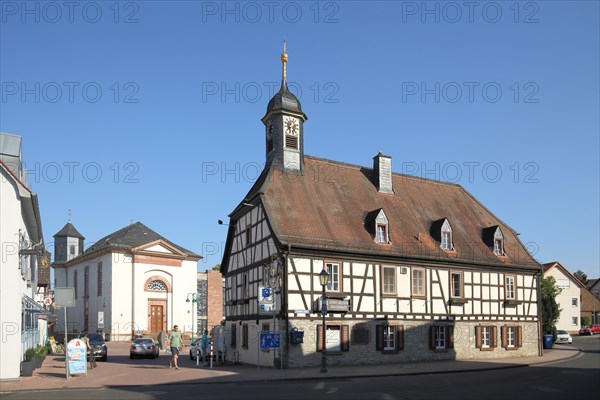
{"points": [[131, 282]]}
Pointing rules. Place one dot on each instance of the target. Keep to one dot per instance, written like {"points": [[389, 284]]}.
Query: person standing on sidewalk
{"points": [[174, 344], [161, 340]]}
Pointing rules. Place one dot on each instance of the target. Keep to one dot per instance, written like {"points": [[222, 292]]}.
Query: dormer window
{"points": [[494, 239], [442, 232], [498, 247], [377, 224], [446, 242], [382, 236]]}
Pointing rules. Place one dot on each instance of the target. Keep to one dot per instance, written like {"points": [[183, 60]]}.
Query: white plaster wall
{"points": [[564, 300], [11, 284]]}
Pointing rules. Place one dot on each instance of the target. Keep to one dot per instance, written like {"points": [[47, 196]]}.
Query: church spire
{"points": [[284, 59]]}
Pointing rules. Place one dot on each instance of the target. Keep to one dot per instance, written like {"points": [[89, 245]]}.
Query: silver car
{"points": [[143, 347]]}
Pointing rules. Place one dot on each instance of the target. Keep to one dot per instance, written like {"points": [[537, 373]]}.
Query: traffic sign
{"points": [[47, 301], [270, 340]]}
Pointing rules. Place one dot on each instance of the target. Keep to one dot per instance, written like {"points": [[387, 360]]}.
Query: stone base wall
{"points": [[416, 343]]}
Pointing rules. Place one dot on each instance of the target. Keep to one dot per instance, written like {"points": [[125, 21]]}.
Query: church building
{"points": [[417, 269], [131, 282]]}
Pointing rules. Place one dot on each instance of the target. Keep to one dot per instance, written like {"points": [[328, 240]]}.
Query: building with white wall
{"points": [[569, 298], [22, 249], [133, 280]]}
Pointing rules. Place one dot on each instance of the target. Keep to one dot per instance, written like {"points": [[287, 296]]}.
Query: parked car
{"points": [[98, 346], [563, 337], [144, 347], [590, 330]]}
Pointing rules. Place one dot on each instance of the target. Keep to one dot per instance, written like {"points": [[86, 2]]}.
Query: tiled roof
{"points": [[130, 237], [325, 209], [70, 231]]}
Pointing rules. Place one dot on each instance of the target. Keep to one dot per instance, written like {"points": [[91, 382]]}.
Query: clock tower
{"points": [[284, 124]]}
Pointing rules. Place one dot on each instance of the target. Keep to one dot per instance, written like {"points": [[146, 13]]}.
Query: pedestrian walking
{"points": [[161, 340], [90, 352], [175, 345], [203, 344]]}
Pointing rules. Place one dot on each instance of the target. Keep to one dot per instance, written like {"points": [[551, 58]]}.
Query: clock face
{"points": [[291, 126]]}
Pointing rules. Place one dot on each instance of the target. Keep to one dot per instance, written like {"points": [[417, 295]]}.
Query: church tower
{"points": [[68, 243], [284, 122]]}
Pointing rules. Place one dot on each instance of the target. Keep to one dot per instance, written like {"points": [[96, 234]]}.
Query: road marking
{"points": [[332, 390]]}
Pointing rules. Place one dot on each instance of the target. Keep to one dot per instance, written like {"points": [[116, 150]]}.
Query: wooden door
{"points": [[156, 318]]}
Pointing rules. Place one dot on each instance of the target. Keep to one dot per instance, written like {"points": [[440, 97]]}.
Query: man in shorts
{"points": [[175, 345]]}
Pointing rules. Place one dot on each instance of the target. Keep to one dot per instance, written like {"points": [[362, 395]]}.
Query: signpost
{"points": [[65, 297]]}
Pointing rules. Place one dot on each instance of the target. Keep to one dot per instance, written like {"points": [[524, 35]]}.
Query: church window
{"points": [[157, 286]]}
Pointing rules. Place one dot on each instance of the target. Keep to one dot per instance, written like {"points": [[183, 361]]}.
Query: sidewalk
{"points": [[121, 371]]}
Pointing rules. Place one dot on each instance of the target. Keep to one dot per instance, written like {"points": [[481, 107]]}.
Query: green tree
{"points": [[582, 276], [550, 309], [585, 321], [217, 267]]}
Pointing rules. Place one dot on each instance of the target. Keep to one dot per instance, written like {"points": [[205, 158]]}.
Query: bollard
{"points": [[211, 354]]}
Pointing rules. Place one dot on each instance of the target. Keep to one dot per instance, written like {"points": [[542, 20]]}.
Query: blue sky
{"points": [[150, 110]]}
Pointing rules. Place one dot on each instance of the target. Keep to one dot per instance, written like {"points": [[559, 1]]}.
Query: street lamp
{"points": [[193, 300], [324, 280]]}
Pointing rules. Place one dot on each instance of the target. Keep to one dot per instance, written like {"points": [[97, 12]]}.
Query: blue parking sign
{"points": [[266, 292], [270, 340]]}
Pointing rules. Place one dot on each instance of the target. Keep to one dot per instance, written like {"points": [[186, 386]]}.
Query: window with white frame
{"points": [[447, 240], [575, 321], [511, 337], [509, 287], [333, 269], [485, 337], [418, 282], [382, 234], [456, 284], [388, 276], [574, 301], [390, 338], [498, 247]]}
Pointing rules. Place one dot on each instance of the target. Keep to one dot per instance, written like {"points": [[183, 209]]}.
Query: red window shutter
{"points": [[379, 338], [432, 337], [319, 338], [400, 336], [494, 338], [345, 338], [478, 336], [519, 336], [450, 337], [504, 341]]}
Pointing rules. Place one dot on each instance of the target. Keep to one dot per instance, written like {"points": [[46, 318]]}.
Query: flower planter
{"points": [[27, 367]]}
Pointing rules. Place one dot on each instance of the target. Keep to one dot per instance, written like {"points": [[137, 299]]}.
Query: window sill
{"points": [[458, 300], [511, 302], [487, 349]]}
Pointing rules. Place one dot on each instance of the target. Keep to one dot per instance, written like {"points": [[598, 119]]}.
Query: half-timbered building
{"points": [[418, 269]]}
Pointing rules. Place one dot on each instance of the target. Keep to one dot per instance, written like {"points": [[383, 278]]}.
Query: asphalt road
{"points": [[575, 378]]}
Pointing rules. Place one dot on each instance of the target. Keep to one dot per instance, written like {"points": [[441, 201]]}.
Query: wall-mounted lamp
{"points": [[220, 222]]}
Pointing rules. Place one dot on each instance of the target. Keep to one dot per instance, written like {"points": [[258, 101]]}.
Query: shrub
{"points": [[29, 354]]}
